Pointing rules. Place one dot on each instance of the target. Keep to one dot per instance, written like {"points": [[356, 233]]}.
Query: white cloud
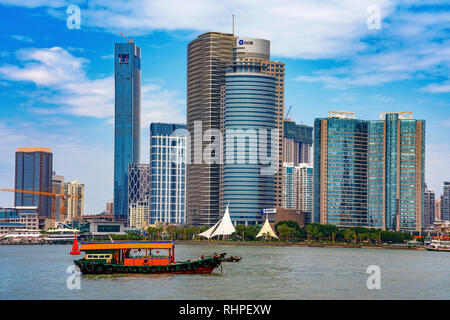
{"points": [[306, 29], [21, 38], [437, 87], [62, 81], [161, 105]]}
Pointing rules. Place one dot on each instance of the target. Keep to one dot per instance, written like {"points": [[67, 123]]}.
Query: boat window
{"points": [[98, 256]]}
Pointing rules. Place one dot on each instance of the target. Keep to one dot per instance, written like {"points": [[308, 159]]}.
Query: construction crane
{"points": [[289, 110], [54, 195], [129, 41]]}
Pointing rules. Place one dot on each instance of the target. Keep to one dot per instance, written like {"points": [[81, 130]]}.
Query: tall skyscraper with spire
{"points": [[127, 76]]}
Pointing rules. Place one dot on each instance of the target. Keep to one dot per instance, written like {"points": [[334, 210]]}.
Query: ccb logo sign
{"points": [[242, 42]]}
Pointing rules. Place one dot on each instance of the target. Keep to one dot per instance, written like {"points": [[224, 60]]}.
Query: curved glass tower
{"points": [[250, 111]]}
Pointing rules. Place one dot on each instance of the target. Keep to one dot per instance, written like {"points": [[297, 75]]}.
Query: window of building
{"points": [[123, 57]]}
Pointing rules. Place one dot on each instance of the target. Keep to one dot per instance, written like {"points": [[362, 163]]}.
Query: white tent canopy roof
{"points": [[222, 228], [207, 233], [266, 230]]}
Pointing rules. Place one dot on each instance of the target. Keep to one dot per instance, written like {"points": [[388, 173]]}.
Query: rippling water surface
{"points": [[40, 272]]}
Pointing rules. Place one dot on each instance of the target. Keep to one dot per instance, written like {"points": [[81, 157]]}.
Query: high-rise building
{"points": [[208, 57], [58, 187], [297, 142], [74, 205], [290, 186], [276, 69], [437, 208], [167, 173], [34, 173], [429, 207], [445, 201], [298, 188], [138, 182], [369, 173], [249, 112], [127, 68], [306, 190]]}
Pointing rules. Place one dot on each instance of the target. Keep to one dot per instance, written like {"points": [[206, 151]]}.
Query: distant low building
{"points": [[442, 227], [22, 217], [109, 208], [104, 228], [139, 214]]}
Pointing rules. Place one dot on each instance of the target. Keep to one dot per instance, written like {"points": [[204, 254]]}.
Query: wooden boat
{"points": [[140, 257]]}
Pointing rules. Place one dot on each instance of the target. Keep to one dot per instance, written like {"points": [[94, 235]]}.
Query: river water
{"points": [[265, 272]]}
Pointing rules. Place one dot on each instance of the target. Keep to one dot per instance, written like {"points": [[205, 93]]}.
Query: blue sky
{"points": [[56, 84]]}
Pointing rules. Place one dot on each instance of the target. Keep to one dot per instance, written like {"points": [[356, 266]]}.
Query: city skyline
{"points": [[58, 91]]}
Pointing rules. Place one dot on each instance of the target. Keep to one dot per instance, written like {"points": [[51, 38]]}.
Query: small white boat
{"points": [[439, 245]]}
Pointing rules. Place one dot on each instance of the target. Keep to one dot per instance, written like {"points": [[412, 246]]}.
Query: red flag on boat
{"points": [[75, 249]]}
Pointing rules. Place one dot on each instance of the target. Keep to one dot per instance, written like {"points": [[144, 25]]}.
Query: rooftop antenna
{"points": [[233, 24]]}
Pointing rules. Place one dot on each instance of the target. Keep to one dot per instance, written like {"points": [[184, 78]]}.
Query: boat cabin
{"points": [[130, 253]]}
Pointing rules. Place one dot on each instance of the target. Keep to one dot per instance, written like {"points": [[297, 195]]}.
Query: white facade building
{"points": [[298, 188], [167, 173]]}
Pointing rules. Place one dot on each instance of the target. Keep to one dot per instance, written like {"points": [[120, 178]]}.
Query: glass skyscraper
{"points": [[208, 56], [127, 68], [167, 173], [369, 173], [34, 173], [250, 107]]}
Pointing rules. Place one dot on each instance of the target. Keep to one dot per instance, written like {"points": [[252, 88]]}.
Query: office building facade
{"points": [[276, 69], [429, 207], [445, 201], [127, 69], [249, 114], [297, 142], [167, 173], [58, 187], [208, 57], [298, 187], [138, 183], [74, 205], [34, 173], [369, 173], [139, 214]]}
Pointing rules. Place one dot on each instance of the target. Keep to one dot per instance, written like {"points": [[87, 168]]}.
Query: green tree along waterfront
{"points": [[288, 231]]}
